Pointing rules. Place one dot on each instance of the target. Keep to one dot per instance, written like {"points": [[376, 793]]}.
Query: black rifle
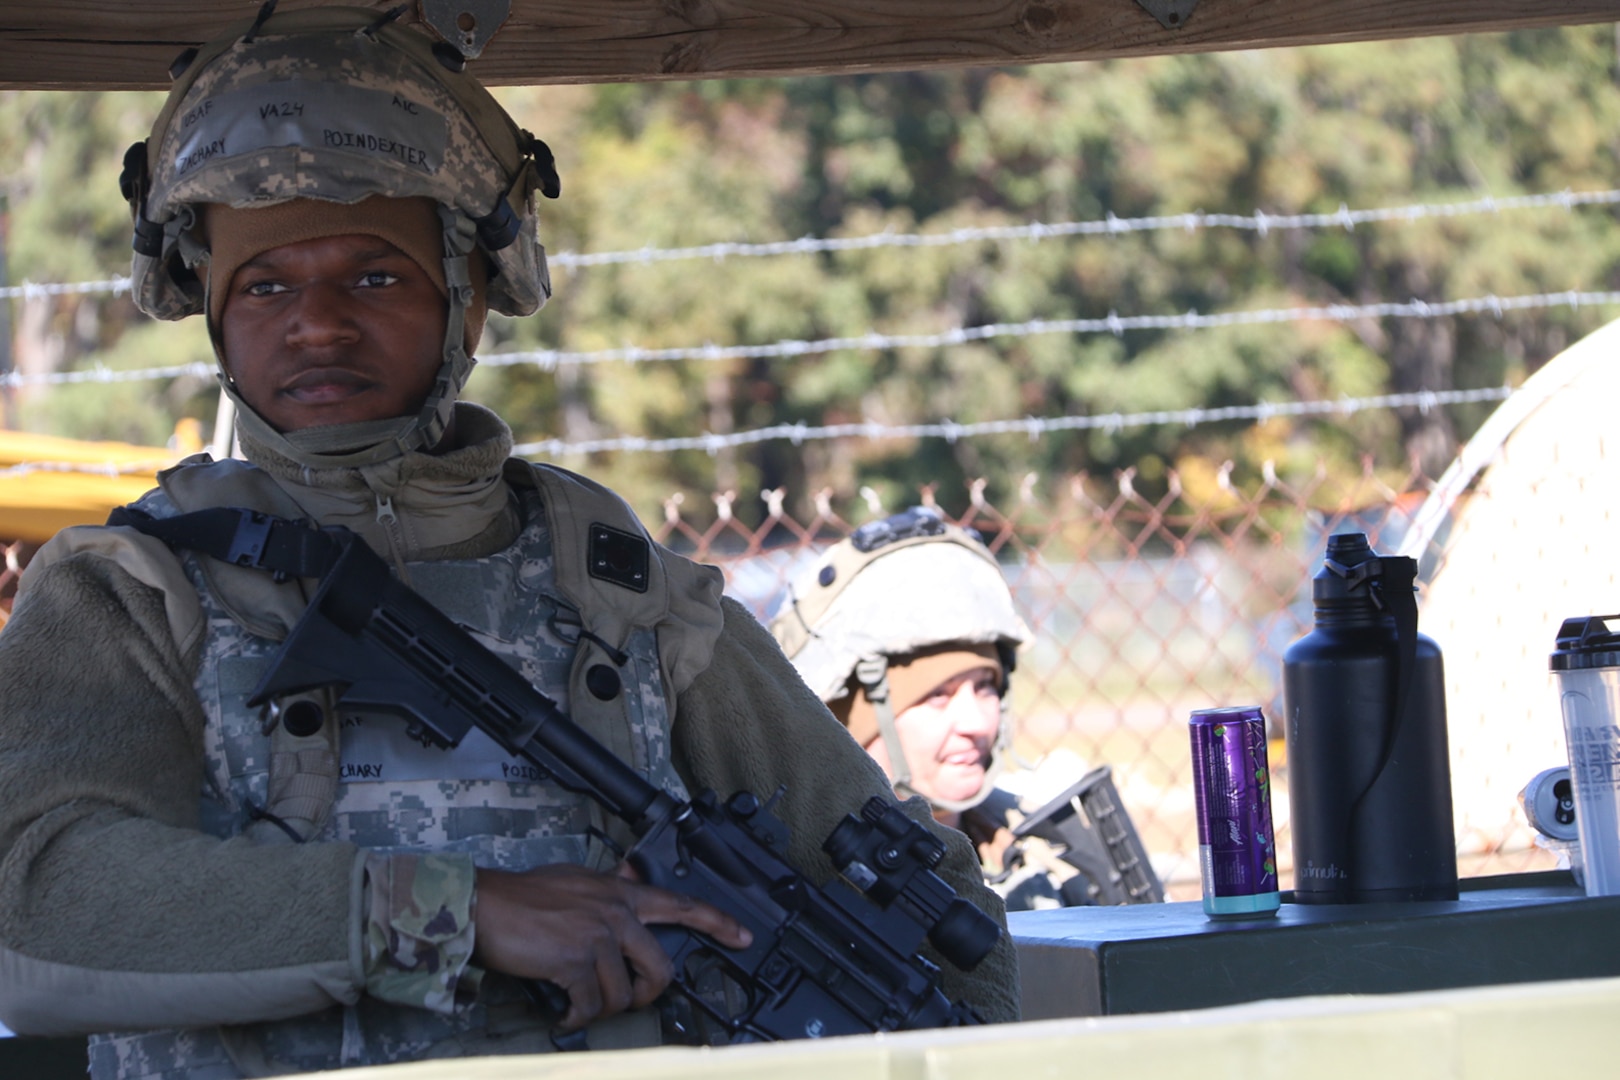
{"points": [[824, 960], [1092, 832]]}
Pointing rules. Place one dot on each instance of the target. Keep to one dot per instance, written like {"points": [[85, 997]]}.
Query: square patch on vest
{"points": [[618, 556]]}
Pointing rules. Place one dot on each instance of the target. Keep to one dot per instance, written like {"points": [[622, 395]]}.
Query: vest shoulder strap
{"points": [[266, 605], [619, 578]]}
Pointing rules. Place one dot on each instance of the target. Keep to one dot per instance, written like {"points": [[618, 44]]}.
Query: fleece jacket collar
{"points": [[443, 505]]}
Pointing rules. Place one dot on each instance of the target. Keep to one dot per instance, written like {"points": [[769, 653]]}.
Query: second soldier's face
{"points": [[334, 330], [947, 736]]}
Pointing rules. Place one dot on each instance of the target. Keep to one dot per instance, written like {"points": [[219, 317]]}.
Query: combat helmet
{"points": [[897, 586], [340, 104]]}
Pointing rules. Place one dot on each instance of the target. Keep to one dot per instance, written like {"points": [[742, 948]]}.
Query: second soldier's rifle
{"points": [[827, 960], [1091, 831]]}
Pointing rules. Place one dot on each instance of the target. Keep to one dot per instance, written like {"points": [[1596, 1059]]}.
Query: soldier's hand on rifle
{"points": [[587, 932]]}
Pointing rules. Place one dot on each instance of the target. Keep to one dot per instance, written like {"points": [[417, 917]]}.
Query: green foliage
{"points": [[663, 165], [63, 154], [143, 412]]}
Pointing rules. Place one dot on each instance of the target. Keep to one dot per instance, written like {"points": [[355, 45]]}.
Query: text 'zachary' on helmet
{"points": [[333, 103]]}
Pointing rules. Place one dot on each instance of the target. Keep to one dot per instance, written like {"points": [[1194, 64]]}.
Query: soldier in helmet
{"points": [[907, 630], [228, 893]]}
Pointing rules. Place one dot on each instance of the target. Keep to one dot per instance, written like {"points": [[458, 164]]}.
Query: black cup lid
{"points": [[1586, 642]]}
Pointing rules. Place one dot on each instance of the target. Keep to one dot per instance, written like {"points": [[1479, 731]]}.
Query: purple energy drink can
{"points": [[1232, 793]]}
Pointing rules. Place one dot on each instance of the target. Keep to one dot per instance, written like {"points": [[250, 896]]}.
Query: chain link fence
{"points": [[1142, 608], [17, 554]]}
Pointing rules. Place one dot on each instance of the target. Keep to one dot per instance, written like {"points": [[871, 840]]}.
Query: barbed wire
{"points": [[29, 290], [1033, 427], [1030, 426], [551, 359], [90, 468], [100, 373], [1258, 222]]}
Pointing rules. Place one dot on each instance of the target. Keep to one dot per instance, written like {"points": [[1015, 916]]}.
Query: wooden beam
{"points": [[119, 44]]}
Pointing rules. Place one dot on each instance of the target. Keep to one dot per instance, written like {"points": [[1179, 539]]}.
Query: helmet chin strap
{"points": [[872, 672], [369, 442]]}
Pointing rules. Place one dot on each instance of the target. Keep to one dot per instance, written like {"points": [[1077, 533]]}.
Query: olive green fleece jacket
{"points": [[116, 913]]}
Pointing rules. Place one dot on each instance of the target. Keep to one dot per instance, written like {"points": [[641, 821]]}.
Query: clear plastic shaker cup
{"points": [[1586, 662]]}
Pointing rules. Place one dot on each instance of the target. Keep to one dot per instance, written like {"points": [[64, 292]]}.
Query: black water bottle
{"points": [[1369, 772]]}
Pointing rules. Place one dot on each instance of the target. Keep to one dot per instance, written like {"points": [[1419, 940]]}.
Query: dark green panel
{"points": [[1154, 958], [43, 1059]]}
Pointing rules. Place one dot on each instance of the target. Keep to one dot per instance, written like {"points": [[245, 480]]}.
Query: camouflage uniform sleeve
{"points": [[418, 938]]}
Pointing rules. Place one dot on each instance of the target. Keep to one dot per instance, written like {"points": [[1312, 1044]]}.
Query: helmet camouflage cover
{"points": [[340, 104]]}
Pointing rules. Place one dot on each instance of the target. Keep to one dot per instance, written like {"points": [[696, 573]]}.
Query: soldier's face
{"points": [[335, 330], [947, 735]]}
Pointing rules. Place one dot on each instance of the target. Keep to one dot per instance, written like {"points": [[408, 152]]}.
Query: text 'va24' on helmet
{"points": [[339, 104], [895, 586]]}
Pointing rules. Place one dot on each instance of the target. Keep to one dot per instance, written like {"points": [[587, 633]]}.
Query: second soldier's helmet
{"points": [[902, 585]]}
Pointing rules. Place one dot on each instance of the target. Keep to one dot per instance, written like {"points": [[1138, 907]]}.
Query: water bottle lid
{"points": [[1336, 580], [1586, 642], [1352, 571]]}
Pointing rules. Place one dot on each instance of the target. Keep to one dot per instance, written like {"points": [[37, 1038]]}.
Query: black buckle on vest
{"points": [[249, 540], [241, 537]]}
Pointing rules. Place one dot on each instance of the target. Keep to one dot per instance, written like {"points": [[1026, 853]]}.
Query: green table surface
{"points": [[1163, 957]]}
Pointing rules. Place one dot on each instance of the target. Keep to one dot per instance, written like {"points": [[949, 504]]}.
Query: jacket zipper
{"points": [[396, 543]]}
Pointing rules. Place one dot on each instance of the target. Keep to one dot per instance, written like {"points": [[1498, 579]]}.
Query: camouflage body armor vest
{"points": [[396, 794]]}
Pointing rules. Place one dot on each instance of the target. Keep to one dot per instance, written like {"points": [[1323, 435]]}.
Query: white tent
{"points": [[1534, 543]]}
